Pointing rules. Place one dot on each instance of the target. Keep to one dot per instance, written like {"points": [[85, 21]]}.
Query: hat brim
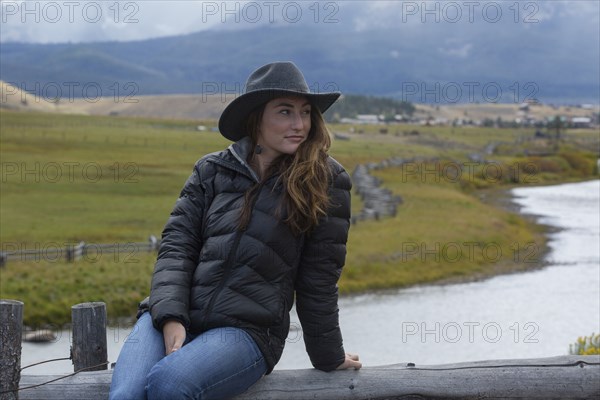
{"points": [[232, 120]]}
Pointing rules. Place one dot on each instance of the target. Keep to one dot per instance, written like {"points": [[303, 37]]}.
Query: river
{"points": [[523, 315]]}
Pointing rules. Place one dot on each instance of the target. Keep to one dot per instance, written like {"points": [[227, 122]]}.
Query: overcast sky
{"points": [[85, 21]]}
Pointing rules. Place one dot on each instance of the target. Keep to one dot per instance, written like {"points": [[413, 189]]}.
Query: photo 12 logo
{"points": [[53, 12], [253, 12], [455, 172], [67, 172], [55, 252], [470, 11], [61, 92], [469, 331], [453, 252], [468, 92]]}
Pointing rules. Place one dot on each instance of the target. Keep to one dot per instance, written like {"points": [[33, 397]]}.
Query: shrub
{"points": [[579, 162], [586, 345], [549, 164]]}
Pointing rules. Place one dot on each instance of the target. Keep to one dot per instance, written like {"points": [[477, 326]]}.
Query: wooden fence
{"points": [[563, 377], [71, 253]]}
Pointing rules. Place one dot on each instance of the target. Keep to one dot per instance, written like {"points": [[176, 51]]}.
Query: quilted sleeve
{"points": [[178, 253], [321, 264]]}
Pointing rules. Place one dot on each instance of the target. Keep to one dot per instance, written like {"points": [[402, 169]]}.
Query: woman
{"points": [[255, 225]]}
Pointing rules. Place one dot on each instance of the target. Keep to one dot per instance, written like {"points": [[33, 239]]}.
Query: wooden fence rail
{"points": [[52, 252], [567, 377], [563, 377]]}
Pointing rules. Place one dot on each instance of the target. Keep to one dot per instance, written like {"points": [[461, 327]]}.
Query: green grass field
{"points": [[67, 179]]}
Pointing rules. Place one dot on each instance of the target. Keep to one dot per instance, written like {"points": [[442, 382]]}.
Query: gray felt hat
{"points": [[266, 83]]}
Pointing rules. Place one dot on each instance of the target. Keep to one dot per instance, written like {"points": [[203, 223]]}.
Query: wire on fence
{"points": [[54, 380]]}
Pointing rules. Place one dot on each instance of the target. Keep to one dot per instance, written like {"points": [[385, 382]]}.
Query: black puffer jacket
{"points": [[209, 274]]}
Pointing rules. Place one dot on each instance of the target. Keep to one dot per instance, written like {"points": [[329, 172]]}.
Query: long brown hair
{"points": [[305, 175]]}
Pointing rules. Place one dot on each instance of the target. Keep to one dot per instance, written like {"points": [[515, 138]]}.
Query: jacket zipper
{"points": [[229, 262]]}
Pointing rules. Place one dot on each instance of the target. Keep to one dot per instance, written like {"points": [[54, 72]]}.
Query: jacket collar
{"points": [[240, 150]]}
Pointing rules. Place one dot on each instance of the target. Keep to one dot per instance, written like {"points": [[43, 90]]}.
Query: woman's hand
{"points": [[174, 336], [351, 361]]}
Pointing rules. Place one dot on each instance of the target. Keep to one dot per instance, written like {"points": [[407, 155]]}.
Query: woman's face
{"points": [[284, 126]]}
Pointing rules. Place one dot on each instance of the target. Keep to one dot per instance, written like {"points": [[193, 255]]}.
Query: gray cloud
{"points": [[91, 21], [123, 20], [87, 21]]}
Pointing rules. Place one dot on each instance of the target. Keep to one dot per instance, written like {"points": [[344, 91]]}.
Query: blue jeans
{"points": [[216, 364]]}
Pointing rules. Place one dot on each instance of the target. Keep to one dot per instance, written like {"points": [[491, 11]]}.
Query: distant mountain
{"points": [[423, 68]]}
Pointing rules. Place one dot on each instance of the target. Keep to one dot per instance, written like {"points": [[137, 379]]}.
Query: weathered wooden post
{"points": [[78, 251], [11, 327], [153, 242], [89, 336], [70, 253]]}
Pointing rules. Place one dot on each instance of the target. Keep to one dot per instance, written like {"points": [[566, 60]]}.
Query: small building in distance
{"points": [[581, 122]]}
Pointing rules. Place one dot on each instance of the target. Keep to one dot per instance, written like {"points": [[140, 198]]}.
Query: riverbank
{"points": [[442, 235]]}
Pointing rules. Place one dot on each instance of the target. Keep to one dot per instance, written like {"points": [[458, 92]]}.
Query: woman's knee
{"points": [[166, 381], [158, 386], [218, 364], [141, 351], [130, 392]]}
